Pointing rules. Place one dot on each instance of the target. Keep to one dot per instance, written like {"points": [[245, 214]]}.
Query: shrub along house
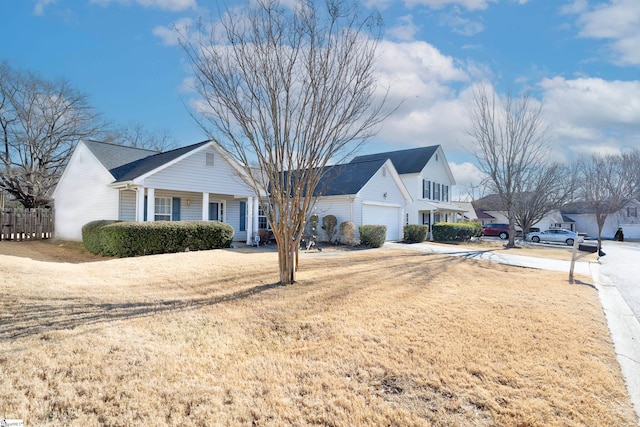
{"points": [[363, 192], [197, 182]]}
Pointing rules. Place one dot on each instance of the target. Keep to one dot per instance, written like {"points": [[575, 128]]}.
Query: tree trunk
{"points": [[286, 260]]}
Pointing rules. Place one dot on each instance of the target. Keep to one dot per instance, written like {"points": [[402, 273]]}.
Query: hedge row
{"points": [[126, 239], [451, 231]]}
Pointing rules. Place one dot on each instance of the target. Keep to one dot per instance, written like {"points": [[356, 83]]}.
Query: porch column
{"points": [[140, 204], [250, 214], [151, 204], [430, 225], [255, 213], [205, 206]]}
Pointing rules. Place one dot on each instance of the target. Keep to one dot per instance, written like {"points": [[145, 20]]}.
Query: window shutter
{"points": [[145, 208], [243, 216], [175, 209]]}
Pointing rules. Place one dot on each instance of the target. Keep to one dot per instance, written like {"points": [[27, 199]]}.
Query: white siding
{"points": [[192, 174], [382, 188], [340, 207], [83, 195], [127, 205]]}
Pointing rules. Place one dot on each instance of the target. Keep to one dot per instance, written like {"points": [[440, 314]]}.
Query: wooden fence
{"points": [[26, 224]]}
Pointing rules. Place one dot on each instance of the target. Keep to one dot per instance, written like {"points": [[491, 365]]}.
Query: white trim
{"points": [[388, 205], [151, 205], [205, 206]]}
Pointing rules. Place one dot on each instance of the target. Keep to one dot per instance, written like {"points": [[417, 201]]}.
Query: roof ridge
{"points": [[121, 146]]}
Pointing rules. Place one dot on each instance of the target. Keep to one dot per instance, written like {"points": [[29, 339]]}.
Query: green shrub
{"points": [[91, 234], [125, 239], [312, 226], [348, 230], [329, 224], [457, 231], [373, 236], [415, 233]]}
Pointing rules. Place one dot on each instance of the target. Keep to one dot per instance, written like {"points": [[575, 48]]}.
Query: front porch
{"points": [[429, 213], [153, 204]]}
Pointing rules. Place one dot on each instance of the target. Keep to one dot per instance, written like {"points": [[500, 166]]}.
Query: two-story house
{"points": [[426, 174]]}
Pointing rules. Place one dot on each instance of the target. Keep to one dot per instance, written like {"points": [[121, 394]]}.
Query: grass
{"points": [[365, 338]]}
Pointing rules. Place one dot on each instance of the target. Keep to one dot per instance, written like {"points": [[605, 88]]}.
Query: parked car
{"points": [[500, 230], [555, 235]]}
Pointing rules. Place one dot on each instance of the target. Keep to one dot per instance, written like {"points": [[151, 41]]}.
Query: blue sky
{"points": [[580, 58]]}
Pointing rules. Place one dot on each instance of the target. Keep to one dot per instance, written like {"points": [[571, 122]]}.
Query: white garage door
{"points": [[383, 215]]}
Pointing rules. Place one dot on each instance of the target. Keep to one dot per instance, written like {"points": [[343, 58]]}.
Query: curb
{"points": [[625, 333]]}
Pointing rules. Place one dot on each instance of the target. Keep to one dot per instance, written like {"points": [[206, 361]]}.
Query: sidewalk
{"points": [[623, 325]]}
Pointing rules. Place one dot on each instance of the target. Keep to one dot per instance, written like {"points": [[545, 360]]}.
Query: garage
{"points": [[383, 215]]}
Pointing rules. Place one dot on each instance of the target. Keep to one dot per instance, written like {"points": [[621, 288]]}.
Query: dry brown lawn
{"points": [[366, 338]]}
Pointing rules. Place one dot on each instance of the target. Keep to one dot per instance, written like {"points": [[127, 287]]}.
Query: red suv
{"points": [[500, 230]]}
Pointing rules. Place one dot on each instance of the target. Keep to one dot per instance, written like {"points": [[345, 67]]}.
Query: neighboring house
{"points": [[491, 210], [468, 214], [427, 177], [363, 192], [197, 182], [627, 218]]}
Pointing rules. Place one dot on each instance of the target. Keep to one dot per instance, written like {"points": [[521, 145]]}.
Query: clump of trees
{"points": [[40, 123]]}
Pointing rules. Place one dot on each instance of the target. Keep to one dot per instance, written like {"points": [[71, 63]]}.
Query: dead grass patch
{"points": [[365, 338]]}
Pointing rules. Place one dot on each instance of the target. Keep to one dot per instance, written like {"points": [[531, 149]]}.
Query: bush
{"points": [[312, 226], [91, 234], [457, 231], [415, 233], [348, 230], [329, 224], [373, 236], [124, 239]]}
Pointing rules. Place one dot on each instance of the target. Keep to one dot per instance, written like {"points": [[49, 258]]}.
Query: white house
{"points": [[427, 177], [627, 218], [363, 192], [197, 182], [491, 210]]}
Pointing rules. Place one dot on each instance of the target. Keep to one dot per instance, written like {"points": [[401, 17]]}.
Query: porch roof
{"points": [[423, 205]]}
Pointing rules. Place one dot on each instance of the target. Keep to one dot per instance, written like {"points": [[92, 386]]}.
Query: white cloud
{"points": [[461, 25], [591, 114], [406, 30], [169, 35], [468, 180], [38, 9], [171, 5], [617, 21], [439, 4]]}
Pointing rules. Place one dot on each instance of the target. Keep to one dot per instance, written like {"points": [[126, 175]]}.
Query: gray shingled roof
{"points": [[135, 169], [113, 156], [412, 160], [348, 178], [127, 163]]}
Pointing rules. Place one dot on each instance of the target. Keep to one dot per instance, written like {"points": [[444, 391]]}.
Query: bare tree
{"points": [[546, 190], [606, 183], [287, 89], [135, 134], [40, 121], [510, 145]]}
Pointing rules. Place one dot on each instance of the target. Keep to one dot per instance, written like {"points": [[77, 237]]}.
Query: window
{"points": [[445, 193], [384, 171], [209, 159], [436, 191], [262, 219], [162, 209], [426, 189], [632, 211]]}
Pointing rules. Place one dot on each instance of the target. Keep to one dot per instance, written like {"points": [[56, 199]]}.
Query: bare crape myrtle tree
{"points": [[287, 87], [510, 146]]}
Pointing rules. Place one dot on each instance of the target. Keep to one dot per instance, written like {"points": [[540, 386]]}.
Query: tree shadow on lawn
{"points": [[30, 319]]}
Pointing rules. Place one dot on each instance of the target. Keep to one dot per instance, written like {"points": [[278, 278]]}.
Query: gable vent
{"points": [[209, 159]]}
